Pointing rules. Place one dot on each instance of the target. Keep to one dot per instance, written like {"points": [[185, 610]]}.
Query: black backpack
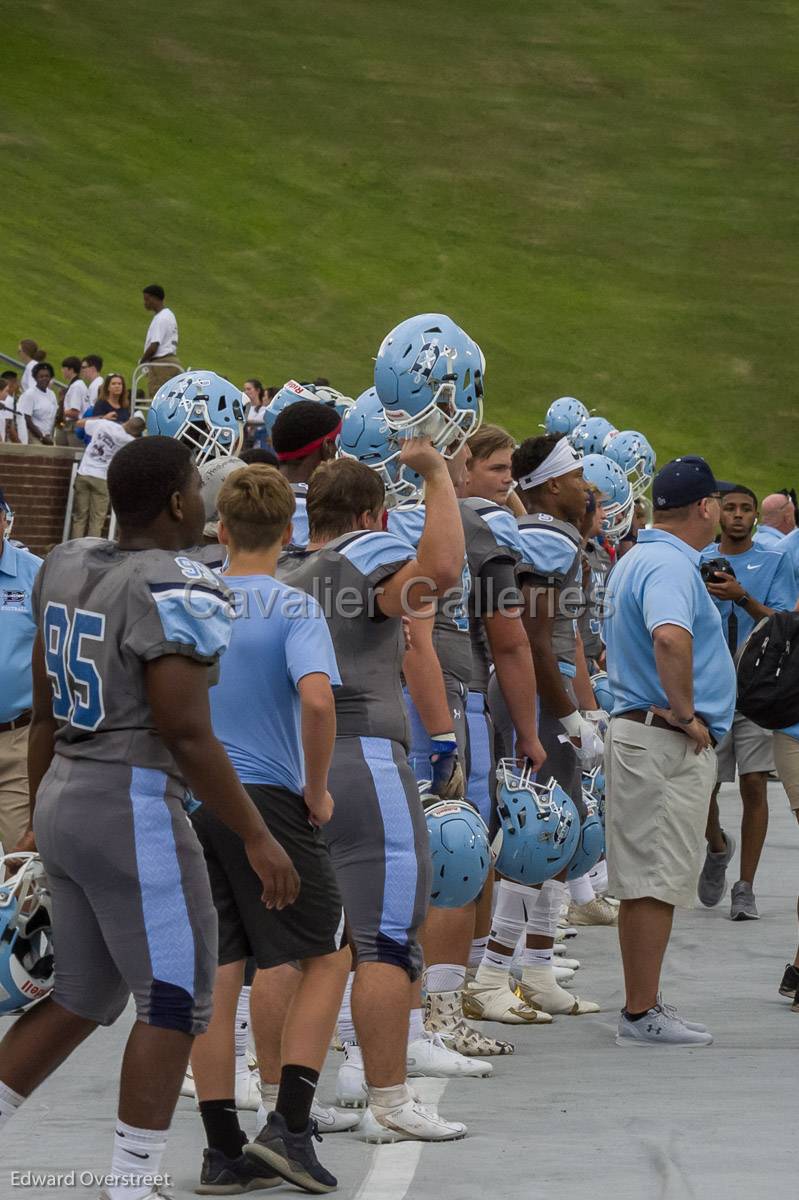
{"points": [[768, 672]]}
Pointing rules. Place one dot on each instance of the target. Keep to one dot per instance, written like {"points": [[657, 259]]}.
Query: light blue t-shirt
{"points": [[279, 636], [658, 583], [18, 570], [767, 537], [767, 576], [790, 547]]}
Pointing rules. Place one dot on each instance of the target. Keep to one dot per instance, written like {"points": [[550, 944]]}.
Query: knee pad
{"points": [[543, 920]]}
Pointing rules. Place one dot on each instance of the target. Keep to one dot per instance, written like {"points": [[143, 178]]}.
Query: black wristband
{"points": [[742, 601]]}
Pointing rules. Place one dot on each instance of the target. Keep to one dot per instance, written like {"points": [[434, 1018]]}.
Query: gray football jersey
{"points": [[343, 577], [103, 614], [451, 639], [596, 566], [492, 552], [552, 558], [212, 554]]}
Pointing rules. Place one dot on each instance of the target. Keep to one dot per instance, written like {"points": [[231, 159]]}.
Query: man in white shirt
{"points": [[161, 342], [7, 422], [91, 366], [36, 408], [75, 400], [90, 500]]}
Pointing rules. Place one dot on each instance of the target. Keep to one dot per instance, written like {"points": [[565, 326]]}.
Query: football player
{"points": [[303, 436]]}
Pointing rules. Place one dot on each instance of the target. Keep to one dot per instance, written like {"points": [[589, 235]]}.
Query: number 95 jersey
{"points": [[103, 614]]}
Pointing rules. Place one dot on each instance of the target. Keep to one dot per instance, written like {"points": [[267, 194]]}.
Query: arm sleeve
{"points": [[309, 647], [496, 588], [668, 596], [179, 608]]}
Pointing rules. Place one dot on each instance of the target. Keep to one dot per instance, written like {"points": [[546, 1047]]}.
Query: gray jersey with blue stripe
{"points": [[103, 614], [552, 558], [345, 577], [492, 551]]}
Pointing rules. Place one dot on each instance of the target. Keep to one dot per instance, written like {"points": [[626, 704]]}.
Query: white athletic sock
{"points": [[537, 958], [137, 1153], [9, 1103], [513, 900], [581, 890], [599, 877], [477, 951], [416, 1028], [353, 1054], [242, 1030], [444, 977], [346, 1029]]}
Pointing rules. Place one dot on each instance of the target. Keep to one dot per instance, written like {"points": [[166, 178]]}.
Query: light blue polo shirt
{"points": [[658, 583], [18, 569], [790, 548], [767, 537], [767, 575]]}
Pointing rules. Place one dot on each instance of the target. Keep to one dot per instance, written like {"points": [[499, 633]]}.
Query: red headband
{"points": [[304, 451]]}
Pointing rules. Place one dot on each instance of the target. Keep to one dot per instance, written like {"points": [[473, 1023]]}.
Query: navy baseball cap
{"points": [[683, 481]]}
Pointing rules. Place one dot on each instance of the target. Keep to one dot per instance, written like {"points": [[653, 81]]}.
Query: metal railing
{"points": [[140, 372], [14, 362]]}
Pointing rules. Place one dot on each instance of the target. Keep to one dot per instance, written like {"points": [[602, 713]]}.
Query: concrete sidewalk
{"points": [[570, 1114]]}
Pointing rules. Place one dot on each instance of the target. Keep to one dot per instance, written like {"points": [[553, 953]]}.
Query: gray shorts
{"points": [[132, 908], [747, 747], [380, 849]]}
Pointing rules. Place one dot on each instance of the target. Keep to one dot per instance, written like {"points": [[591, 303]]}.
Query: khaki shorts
{"points": [[786, 756], [657, 793], [748, 747]]}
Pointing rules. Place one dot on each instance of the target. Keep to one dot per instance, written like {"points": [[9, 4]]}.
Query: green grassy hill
{"points": [[603, 192]]}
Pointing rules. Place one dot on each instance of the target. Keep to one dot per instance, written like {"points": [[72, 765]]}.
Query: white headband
{"points": [[562, 459]]}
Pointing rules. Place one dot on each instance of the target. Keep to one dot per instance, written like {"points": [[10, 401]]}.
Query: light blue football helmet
{"points": [[365, 435], [590, 842], [601, 686], [290, 393], [202, 410], [564, 415], [429, 377], [539, 824], [635, 456], [592, 435], [332, 397], [616, 494], [594, 790], [459, 849], [26, 949]]}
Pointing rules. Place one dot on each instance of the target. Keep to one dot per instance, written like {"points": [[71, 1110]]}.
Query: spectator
{"points": [[12, 379], [161, 342], [256, 408], [37, 407], [777, 518], [90, 367], [31, 354], [73, 402], [90, 500], [8, 428], [113, 401], [18, 569]]}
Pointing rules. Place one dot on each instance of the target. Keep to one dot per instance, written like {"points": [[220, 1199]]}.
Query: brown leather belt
{"points": [[643, 716], [18, 723]]}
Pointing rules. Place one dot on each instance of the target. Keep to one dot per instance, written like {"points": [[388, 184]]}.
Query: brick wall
{"points": [[35, 480]]}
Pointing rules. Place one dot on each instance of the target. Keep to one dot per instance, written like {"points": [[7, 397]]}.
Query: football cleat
{"points": [[538, 986], [489, 997], [350, 1081], [410, 1121], [444, 1015], [598, 911], [431, 1058]]}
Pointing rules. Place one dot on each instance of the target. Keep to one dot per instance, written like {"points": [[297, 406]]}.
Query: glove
{"points": [[447, 773], [599, 719], [591, 748]]}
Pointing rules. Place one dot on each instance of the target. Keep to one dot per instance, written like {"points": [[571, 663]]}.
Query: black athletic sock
{"points": [[295, 1096], [222, 1129], [635, 1016]]}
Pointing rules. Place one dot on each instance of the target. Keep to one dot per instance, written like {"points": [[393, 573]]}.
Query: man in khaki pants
{"points": [[18, 569], [673, 684]]}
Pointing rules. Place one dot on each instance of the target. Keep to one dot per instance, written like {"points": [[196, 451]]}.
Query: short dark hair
{"points": [[43, 366], [72, 362], [258, 454], [92, 360], [738, 489], [532, 453], [143, 475], [154, 289], [9, 375], [300, 424], [338, 493]]}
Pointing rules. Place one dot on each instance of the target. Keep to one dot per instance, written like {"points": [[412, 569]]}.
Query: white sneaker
{"points": [[329, 1120], [187, 1088], [539, 986], [408, 1122], [562, 972], [350, 1081], [248, 1092], [430, 1057], [489, 997]]}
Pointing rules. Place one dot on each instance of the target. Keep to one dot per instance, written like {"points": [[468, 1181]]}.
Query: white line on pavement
{"points": [[393, 1167]]}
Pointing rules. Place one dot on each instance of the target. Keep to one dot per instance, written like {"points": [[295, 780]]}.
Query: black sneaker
{"points": [[292, 1155], [223, 1176], [790, 980]]}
